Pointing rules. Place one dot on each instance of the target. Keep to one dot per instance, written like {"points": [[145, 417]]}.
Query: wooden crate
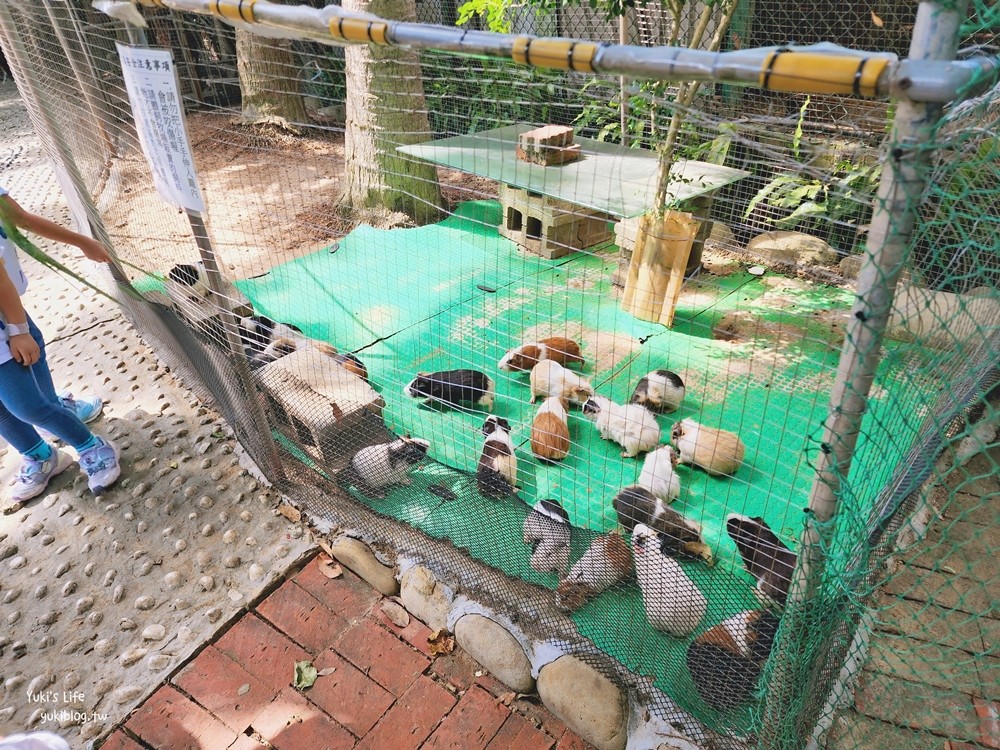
{"points": [[547, 226]]}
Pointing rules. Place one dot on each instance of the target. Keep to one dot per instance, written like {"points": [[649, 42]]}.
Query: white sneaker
{"points": [[34, 476], [101, 466]]}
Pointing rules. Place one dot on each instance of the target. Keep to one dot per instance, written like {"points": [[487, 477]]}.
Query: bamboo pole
{"points": [[787, 723]]}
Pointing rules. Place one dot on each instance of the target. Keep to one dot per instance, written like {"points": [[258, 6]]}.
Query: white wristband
{"points": [[16, 330]]}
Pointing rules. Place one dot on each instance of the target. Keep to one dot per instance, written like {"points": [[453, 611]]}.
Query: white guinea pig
{"points": [[633, 427], [550, 378]]}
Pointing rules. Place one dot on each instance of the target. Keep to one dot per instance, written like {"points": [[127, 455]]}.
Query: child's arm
{"points": [[22, 346], [35, 223]]}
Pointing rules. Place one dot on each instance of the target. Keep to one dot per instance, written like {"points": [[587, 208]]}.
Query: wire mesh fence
{"points": [[456, 335]]}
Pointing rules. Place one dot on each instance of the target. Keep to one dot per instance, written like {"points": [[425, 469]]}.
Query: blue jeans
{"points": [[28, 400]]}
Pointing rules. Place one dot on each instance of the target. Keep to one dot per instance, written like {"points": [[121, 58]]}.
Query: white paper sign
{"points": [[151, 82]]}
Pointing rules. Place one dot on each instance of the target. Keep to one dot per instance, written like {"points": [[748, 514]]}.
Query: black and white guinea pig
{"points": [[765, 556], [496, 473], [454, 388], [679, 536], [257, 332], [659, 391], [376, 467], [726, 660], [190, 280]]}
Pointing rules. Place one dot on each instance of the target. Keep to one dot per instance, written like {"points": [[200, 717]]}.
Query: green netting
{"points": [[446, 308]]}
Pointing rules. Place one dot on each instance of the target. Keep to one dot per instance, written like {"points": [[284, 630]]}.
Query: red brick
{"points": [[458, 669], [539, 716], [570, 741], [471, 725], [121, 741], [243, 742], [214, 681], [169, 719], [303, 617], [348, 695], [349, 596], [415, 633], [412, 719], [989, 721], [262, 651], [292, 723], [377, 652], [517, 733]]}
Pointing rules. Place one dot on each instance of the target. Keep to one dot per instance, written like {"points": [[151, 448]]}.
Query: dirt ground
{"points": [[270, 197]]}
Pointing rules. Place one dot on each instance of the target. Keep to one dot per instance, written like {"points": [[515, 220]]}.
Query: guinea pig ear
{"points": [[674, 459]]}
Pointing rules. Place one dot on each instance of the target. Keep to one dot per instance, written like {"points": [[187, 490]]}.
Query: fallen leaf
{"points": [[305, 675], [325, 546], [507, 698], [174, 464], [330, 567], [877, 21], [244, 689], [325, 672], [218, 435], [399, 616], [440, 642], [290, 512]]}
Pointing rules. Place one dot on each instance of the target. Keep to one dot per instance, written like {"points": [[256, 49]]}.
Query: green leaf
{"points": [[305, 675], [18, 238], [797, 140], [805, 211]]}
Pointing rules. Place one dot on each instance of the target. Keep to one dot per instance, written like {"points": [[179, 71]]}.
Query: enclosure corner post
{"points": [[789, 715]]}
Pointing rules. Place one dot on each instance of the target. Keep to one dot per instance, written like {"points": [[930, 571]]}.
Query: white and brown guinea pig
{"points": [[716, 451], [659, 391], [658, 475], [550, 378], [454, 388], [673, 602], [345, 359], [556, 349], [606, 562], [765, 556], [550, 430], [496, 473], [633, 427], [726, 660], [376, 467], [680, 536]]}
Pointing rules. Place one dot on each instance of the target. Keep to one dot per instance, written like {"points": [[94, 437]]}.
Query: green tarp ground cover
{"points": [[455, 294]]}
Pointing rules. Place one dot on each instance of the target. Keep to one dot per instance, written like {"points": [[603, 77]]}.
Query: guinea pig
{"points": [[680, 536], [190, 280], [550, 430], [274, 350], [556, 349], [765, 556], [547, 532], [454, 388], [496, 473], [376, 467], [726, 660], [549, 378], [659, 391], [672, 600], [606, 562], [631, 426], [345, 359], [658, 475], [258, 332], [716, 451]]}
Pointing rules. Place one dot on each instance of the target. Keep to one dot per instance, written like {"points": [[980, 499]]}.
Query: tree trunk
{"points": [[269, 80], [386, 109]]}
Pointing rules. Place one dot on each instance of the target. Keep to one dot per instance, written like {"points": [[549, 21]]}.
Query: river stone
{"points": [[491, 645], [356, 555], [424, 597], [796, 248], [585, 700]]}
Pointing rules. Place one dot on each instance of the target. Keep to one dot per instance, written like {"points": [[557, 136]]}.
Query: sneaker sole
{"points": [[102, 488], [63, 462]]}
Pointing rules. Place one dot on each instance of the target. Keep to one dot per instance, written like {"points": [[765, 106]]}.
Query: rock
{"points": [[585, 700], [357, 556], [154, 633], [795, 248], [850, 266], [723, 235], [425, 597], [491, 645], [943, 319]]}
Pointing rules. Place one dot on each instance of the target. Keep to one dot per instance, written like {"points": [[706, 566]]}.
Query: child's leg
{"points": [[30, 399]]}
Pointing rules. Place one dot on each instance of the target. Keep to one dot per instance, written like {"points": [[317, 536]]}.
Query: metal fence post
{"points": [[935, 37]]}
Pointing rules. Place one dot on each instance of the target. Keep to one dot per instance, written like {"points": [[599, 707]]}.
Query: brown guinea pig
{"points": [[716, 451], [556, 348], [550, 430]]}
